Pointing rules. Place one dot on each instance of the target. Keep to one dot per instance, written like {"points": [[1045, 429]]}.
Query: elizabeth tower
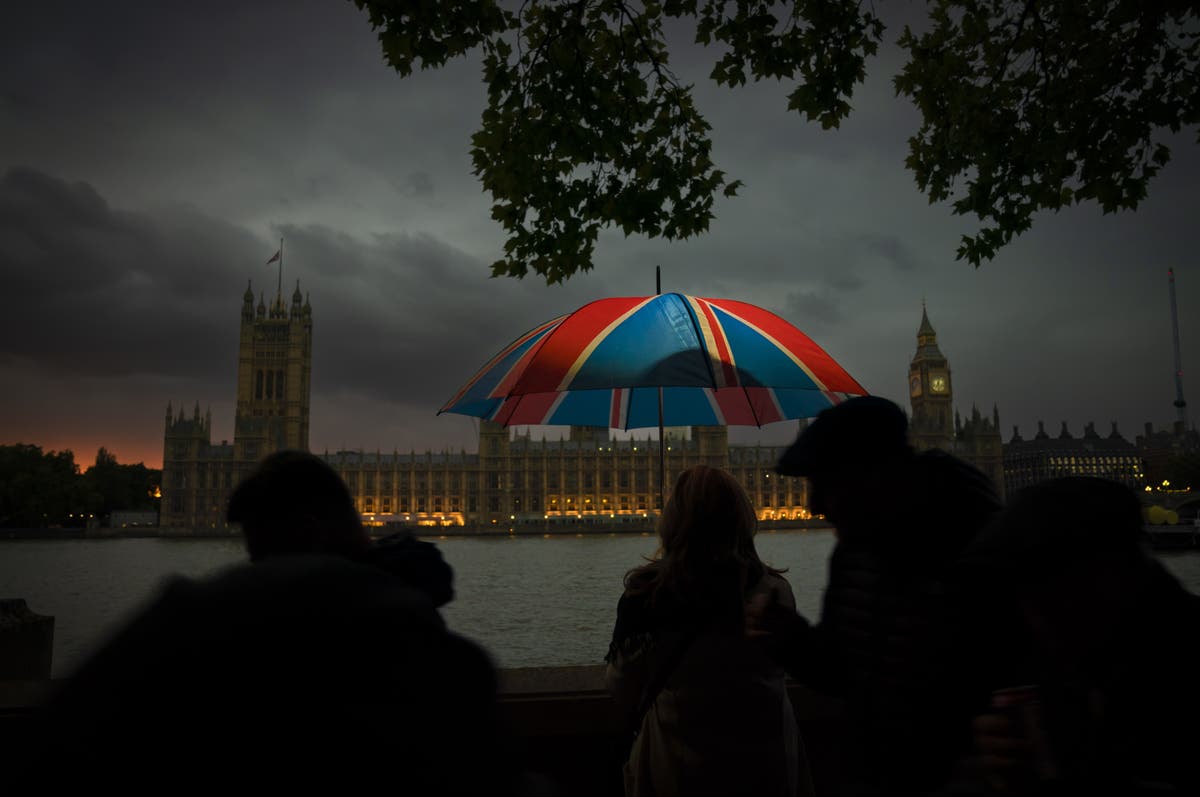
{"points": [[930, 392]]}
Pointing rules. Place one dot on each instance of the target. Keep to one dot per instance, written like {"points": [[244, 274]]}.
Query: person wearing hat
{"points": [[1108, 703], [887, 641]]}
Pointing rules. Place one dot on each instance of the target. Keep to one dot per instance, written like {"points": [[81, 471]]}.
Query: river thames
{"points": [[531, 601]]}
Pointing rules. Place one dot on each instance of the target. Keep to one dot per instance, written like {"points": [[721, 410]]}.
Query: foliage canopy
{"points": [[40, 489], [1026, 105]]}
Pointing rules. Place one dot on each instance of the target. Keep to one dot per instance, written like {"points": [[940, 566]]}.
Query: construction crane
{"points": [[1180, 403]]}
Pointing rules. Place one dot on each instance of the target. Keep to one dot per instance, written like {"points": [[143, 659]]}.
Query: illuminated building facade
{"points": [[1044, 457], [584, 477]]}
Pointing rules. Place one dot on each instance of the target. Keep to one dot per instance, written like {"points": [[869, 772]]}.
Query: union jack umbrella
{"points": [[718, 362]]}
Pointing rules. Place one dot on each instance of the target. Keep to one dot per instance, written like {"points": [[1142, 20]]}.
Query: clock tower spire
{"points": [[930, 392]]}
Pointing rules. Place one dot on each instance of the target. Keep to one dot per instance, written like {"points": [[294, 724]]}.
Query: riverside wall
{"points": [[428, 532], [563, 724]]}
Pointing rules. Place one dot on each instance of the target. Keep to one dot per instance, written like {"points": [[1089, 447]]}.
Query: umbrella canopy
{"points": [[718, 362]]}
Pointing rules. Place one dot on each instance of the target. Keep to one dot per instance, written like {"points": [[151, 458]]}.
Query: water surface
{"points": [[531, 601]]}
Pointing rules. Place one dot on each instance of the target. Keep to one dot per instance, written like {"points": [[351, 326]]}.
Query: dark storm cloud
{"points": [[99, 291], [406, 318], [892, 249], [16, 101], [179, 51], [844, 280], [399, 318], [819, 308], [161, 149], [416, 184], [245, 110]]}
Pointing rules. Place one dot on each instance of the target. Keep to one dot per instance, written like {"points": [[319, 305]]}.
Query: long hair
{"points": [[706, 551]]}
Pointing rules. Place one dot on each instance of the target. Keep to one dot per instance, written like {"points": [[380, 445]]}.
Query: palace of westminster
{"points": [[587, 476]]}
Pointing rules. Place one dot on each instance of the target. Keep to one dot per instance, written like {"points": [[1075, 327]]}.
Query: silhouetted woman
{"points": [[714, 714]]}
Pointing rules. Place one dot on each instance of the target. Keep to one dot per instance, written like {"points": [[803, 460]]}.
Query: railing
{"points": [[565, 727]]}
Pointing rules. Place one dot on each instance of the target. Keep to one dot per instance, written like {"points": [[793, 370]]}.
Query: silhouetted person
{"points": [[324, 660], [713, 714], [294, 502], [1115, 649], [296, 672], [888, 638]]}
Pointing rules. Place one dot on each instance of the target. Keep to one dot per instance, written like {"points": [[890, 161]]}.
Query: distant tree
{"points": [[39, 489], [1026, 105], [44, 489], [111, 486], [104, 458]]}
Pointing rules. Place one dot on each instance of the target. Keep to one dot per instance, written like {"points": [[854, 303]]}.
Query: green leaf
{"points": [[1024, 106]]}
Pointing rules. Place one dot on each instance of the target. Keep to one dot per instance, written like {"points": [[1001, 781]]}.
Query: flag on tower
{"points": [[274, 257]]}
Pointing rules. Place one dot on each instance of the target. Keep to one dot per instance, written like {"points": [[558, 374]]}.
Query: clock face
{"points": [[914, 385], [938, 384]]}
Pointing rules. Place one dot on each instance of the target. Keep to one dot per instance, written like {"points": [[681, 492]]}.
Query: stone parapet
{"points": [[26, 642], [564, 727]]}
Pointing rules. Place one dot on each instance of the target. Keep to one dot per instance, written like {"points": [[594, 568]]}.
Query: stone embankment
{"points": [[564, 726], [430, 532]]}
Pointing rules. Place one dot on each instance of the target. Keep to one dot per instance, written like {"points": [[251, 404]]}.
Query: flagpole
{"points": [[279, 298], [662, 438]]}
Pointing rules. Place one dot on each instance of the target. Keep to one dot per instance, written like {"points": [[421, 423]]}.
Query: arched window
{"points": [[258, 384], [270, 384], [279, 383]]}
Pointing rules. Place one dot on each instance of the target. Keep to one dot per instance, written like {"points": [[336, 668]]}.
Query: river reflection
{"points": [[530, 600]]}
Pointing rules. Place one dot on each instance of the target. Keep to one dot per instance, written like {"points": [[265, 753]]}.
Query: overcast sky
{"points": [[152, 155]]}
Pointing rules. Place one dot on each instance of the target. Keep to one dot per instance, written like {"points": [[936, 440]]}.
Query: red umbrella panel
{"points": [[717, 361]]}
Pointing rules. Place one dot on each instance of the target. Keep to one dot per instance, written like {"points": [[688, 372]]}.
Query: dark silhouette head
{"points": [[1049, 527], [295, 503], [1070, 552], [706, 534], [852, 448], [844, 436]]}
